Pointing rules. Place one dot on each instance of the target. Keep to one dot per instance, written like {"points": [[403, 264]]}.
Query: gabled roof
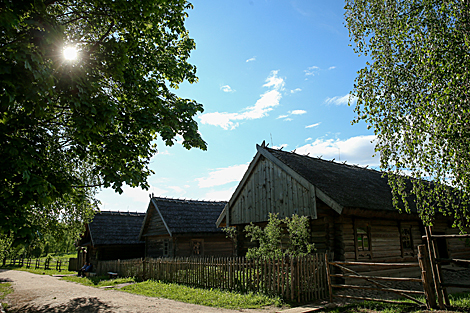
{"points": [[115, 228], [348, 185], [185, 216], [339, 185]]}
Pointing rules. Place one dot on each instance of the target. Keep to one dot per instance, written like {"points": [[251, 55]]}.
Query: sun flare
{"points": [[70, 53]]}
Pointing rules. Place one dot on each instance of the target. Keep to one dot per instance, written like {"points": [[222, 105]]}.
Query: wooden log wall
{"points": [[270, 189], [385, 242], [154, 225], [298, 279], [154, 246], [458, 248], [213, 245]]}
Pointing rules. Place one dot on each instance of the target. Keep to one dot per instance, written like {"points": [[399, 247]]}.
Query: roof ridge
{"points": [[192, 201], [329, 161], [122, 213]]}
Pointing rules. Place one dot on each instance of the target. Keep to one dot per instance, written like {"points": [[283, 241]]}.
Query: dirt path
{"points": [[41, 293]]}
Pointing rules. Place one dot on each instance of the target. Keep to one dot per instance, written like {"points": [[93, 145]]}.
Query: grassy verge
{"points": [[208, 297], [98, 281], [39, 271], [5, 289], [460, 302]]}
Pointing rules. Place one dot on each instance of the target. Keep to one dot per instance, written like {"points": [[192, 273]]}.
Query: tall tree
{"points": [[70, 125], [415, 94]]}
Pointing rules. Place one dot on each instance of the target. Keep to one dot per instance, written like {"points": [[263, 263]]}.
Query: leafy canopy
{"points": [[270, 237], [414, 93], [69, 126]]}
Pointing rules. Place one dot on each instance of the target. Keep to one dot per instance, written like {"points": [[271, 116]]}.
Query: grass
{"points": [[98, 281], [208, 297], [40, 271], [5, 289], [460, 302]]}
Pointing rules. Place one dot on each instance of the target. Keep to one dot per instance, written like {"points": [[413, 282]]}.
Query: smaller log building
{"points": [[350, 208], [184, 228], [113, 235]]}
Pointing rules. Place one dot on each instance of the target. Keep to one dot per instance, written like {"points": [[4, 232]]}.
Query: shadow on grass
{"points": [[460, 302], [77, 305]]}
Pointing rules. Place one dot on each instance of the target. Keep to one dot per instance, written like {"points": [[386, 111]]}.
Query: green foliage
{"points": [[270, 237], [99, 281], [414, 94], [5, 289], [69, 126], [213, 297]]}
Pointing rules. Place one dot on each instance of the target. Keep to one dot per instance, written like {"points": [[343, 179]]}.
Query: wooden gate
{"points": [[436, 279], [349, 273]]}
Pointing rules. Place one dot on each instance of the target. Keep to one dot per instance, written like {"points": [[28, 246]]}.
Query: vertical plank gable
{"points": [[269, 189]]}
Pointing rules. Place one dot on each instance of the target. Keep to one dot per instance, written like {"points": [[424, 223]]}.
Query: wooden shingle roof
{"points": [[348, 185], [115, 228], [187, 216]]}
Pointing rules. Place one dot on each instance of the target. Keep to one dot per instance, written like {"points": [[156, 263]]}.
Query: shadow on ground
{"points": [[77, 305]]}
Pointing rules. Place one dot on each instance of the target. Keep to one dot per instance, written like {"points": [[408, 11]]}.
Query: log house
{"points": [[184, 228], [349, 207], [113, 235]]}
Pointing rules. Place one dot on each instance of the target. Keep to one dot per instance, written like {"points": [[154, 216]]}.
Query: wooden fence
{"points": [[298, 279], [46, 264]]}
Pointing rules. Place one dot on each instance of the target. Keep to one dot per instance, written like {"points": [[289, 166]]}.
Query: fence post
{"points": [[330, 289], [434, 268], [426, 276]]}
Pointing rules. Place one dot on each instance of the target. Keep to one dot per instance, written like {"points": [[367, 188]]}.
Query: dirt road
{"points": [[40, 293]]}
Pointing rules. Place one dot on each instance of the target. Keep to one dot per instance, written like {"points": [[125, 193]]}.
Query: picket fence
{"points": [[298, 279]]}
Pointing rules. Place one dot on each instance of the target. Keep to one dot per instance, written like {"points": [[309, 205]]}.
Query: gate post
{"points": [[426, 275]]}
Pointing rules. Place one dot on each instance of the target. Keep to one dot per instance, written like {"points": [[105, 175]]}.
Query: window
{"points": [[166, 247], [406, 240], [362, 239], [197, 247]]}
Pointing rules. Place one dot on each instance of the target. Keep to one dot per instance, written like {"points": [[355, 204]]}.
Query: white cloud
{"points": [[311, 71], [331, 67], [221, 195], [297, 112], [295, 90], [308, 139], [166, 152], [281, 146], [141, 195], [227, 88], [251, 59], [294, 112], [222, 176], [265, 104], [177, 191], [354, 150], [341, 100], [313, 125]]}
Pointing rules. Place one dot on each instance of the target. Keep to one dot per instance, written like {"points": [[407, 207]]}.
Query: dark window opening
{"points": [[363, 241]]}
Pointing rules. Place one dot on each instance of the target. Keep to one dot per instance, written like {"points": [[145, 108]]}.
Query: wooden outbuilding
{"points": [[184, 228], [350, 208], [113, 235]]}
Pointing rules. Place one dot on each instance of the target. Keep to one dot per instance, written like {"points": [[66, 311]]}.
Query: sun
{"points": [[70, 53]]}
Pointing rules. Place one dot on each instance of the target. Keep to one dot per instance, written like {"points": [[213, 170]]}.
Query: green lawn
{"points": [[209, 297], [5, 289], [40, 271], [460, 302]]}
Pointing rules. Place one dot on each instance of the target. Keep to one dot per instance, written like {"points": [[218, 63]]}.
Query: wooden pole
{"points": [[426, 277], [330, 289], [435, 274]]}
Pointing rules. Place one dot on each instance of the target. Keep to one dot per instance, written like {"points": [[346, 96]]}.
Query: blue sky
{"points": [[279, 71]]}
